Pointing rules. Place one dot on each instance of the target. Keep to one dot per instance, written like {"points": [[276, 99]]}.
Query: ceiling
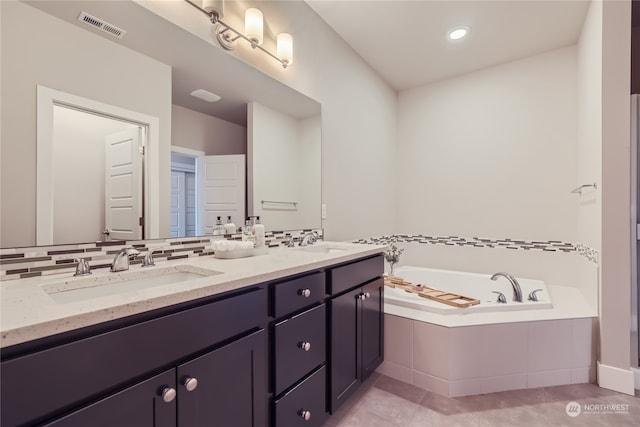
{"points": [[405, 41]]}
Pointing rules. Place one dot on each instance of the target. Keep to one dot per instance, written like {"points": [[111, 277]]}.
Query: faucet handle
{"points": [[83, 268], [148, 260], [533, 296]]}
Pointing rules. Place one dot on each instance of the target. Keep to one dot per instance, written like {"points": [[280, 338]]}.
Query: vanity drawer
{"points": [[66, 375], [308, 398], [347, 276], [299, 346], [297, 294]]}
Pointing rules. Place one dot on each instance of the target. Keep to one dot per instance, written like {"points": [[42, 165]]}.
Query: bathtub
{"points": [[473, 285]]}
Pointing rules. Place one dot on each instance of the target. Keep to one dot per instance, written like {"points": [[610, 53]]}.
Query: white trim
{"points": [[46, 99], [616, 379], [636, 378], [199, 155]]}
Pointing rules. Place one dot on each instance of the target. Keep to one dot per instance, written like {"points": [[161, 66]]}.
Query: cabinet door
{"points": [[345, 346], [139, 406], [231, 386], [372, 328]]}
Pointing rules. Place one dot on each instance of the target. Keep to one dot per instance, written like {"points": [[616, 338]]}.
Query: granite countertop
{"points": [[29, 312]]}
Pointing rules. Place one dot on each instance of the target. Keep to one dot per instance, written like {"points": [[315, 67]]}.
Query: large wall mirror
{"points": [[140, 86]]}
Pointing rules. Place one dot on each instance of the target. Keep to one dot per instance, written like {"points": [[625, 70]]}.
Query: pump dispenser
{"points": [[258, 231], [218, 230], [230, 227]]}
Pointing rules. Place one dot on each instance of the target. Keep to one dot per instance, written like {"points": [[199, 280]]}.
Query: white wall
{"points": [[198, 131], [284, 162], [491, 153], [79, 174], [61, 56]]}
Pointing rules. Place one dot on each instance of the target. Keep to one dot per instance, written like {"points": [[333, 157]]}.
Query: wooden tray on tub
{"points": [[448, 298]]}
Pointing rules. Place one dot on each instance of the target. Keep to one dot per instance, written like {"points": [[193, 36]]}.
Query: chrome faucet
{"points": [[309, 238], [517, 292], [121, 260]]}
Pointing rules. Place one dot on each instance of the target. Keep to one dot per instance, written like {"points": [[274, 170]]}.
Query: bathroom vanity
{"points": [[277, 340]]}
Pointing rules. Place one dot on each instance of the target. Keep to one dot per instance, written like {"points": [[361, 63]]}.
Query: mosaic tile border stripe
{"points": [[20, 263], [478, 242], [590, 254]]}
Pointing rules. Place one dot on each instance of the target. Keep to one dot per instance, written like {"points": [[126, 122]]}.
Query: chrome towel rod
{"points": [[278, 203], [579, 189]]}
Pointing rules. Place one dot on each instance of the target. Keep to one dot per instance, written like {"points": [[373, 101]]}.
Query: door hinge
{"points": [[141, 150], [141, 221]]}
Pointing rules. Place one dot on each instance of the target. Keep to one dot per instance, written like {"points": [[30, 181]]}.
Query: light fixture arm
{"points": [[226, 40]]}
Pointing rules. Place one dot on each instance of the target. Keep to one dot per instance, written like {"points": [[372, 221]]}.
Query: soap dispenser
{"points": [[218, 230], [258, 231], [247, 232], [229, 227]]}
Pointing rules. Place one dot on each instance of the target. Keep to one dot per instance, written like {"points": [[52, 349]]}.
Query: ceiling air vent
{"points": [[101, 25]]}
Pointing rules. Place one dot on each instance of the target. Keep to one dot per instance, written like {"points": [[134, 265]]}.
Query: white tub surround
{"points": [[28, 312], [459, 351], [478, 359]]}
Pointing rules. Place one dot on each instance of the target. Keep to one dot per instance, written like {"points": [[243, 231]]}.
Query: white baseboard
{"points": [[616, 379], [636, 377]]}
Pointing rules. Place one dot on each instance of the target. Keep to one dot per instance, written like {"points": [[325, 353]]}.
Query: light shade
{"points": [[214, 6], [253, 25], [285, 48]]}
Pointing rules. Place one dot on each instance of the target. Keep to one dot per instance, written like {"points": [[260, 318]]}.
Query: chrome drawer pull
{"points": [[304, 292], [306, 346], [168, 394], [305, 414]]}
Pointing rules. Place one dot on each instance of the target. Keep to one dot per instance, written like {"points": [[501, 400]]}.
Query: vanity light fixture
{"points": [[253, 31], [458, 33]]}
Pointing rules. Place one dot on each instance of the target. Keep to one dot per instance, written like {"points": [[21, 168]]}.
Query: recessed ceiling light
{"points": [[205, 95], [458, 33]]}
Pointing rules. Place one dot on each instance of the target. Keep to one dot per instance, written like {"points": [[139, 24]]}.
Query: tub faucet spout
{"points": [[517, 292]]}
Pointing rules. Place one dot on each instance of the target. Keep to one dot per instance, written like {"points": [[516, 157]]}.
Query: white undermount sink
{"points": [[89, 287], [321, 249]]}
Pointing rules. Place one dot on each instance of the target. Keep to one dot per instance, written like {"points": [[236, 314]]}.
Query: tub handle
{"points": [[501, 298], [533, 296]]}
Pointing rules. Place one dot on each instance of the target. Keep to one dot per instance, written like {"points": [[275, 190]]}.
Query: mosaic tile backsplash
{"points": [[19, 263]]}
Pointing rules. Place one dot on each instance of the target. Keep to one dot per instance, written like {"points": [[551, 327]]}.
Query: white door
{"points": [[224, 190], [177, 204], [123, 185]]}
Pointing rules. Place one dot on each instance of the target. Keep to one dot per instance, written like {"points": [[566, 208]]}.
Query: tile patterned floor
{"points": [[385, 402]]}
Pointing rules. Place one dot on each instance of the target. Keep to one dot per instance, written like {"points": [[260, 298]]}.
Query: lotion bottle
{"points": [[218, 230], [229, 227], [258, 231]]}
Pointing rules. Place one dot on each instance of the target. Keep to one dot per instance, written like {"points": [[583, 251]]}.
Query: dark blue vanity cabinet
{"points": [[279, 354], [202, 363], [298, 356], [356, 313]]}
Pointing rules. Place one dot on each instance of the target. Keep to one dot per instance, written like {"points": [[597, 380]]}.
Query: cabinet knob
{"points": [[168, 394], [190, 383], [304, 345], [306, 415], [367, 295], [305, 293]]}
